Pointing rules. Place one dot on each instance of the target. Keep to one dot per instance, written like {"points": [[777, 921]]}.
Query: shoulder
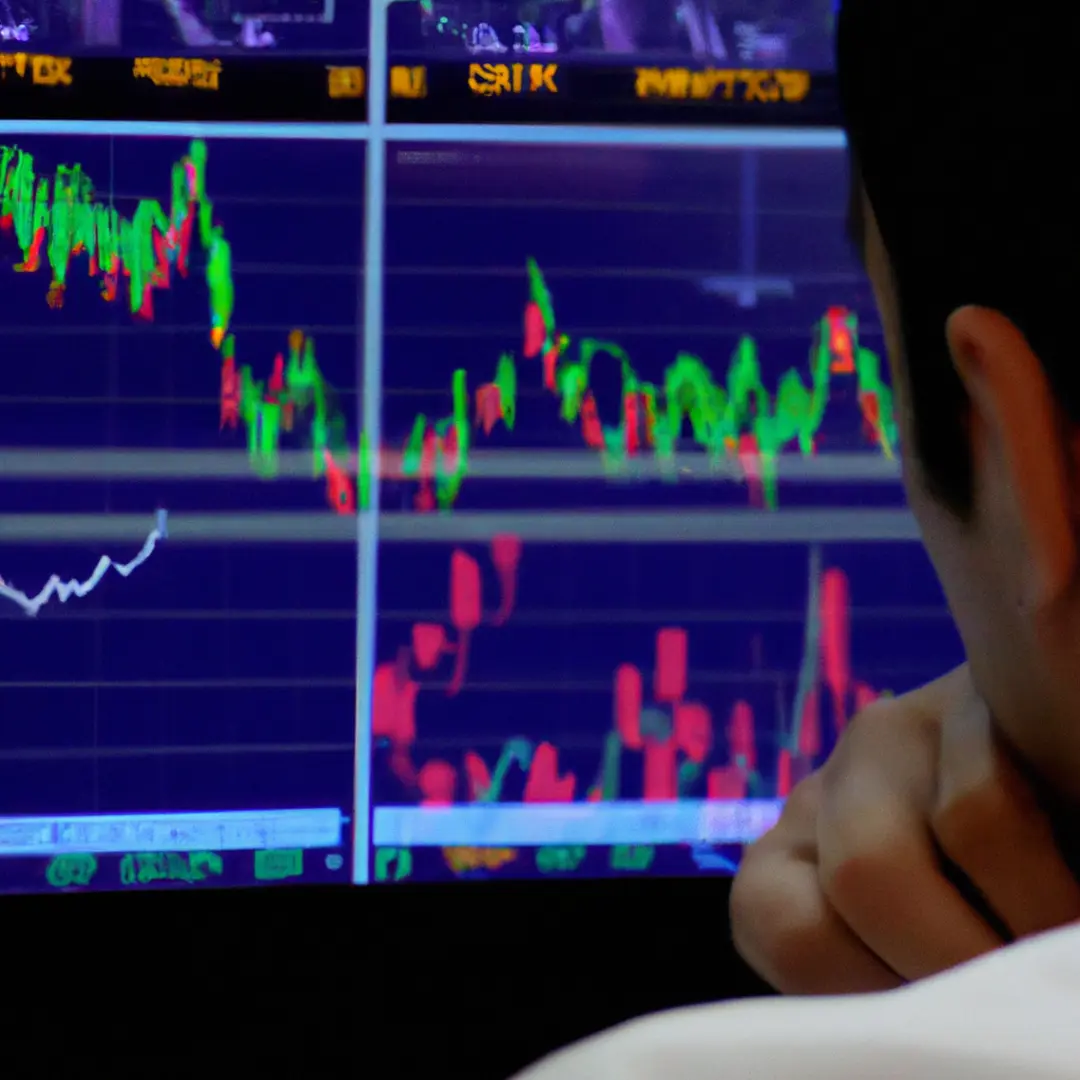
{"points": [[1007, 1015]]}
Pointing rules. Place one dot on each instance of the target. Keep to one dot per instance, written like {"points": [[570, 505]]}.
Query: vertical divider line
{"points": [[369, 423], [748, 228]]}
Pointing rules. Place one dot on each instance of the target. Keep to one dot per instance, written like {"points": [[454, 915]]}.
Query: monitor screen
{"points": [[632, 554], [434, 500]]}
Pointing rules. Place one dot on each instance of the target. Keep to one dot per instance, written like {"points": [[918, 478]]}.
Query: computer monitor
{"points": [[467, 500], [641, 548]]}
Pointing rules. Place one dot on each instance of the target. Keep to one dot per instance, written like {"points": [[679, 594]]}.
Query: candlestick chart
{"points": [[560, 674], [723, 336], [59, 218], [705, 319], [216, 671]]}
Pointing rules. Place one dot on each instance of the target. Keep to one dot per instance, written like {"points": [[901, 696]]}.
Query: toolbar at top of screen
{"points": [[225, 60], [611, 61], [758, 62]]}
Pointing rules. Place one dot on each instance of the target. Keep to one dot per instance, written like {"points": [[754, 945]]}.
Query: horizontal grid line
{"points": [[96, 465], [523, 619], [122, 326], [741, 677], [112, 400], [505, 332], [597, 135], [293, 270], [618, 617], [681, 332], [83, 614], [673, 138], [682, 526], [106, 195], [623, 273], [298, 683], [525, 202], [42, 753], [195, 129]]}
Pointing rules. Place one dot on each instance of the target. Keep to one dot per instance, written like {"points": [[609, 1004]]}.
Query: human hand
{"points": [[848, 893]]}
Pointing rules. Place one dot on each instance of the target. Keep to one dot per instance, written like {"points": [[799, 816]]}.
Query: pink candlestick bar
{"points": [[669, 682]]}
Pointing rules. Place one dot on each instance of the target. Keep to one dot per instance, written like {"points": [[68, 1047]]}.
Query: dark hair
{"points": [[960, 115]]}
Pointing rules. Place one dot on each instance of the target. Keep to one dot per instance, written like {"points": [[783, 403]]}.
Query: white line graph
{"points": [[63, 591]]}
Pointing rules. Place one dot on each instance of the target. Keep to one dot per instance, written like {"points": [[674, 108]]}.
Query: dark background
{"points": [[409, 982]]}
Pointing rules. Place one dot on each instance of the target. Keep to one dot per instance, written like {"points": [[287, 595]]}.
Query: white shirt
{"points": [[1013, 1015]]}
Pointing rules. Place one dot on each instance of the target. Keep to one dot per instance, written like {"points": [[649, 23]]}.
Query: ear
{"points": [[1012, 402]]}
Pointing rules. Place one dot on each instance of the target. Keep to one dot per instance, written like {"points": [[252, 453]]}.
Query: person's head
{"points": [[962, 126]]}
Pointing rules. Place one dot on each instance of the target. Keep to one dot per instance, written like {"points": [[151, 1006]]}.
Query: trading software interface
{"points": [[440, 503]]}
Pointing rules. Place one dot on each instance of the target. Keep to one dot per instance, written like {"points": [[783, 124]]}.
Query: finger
{"points": [[786, 930], [784, 927], [881, 874], [989, 822]]}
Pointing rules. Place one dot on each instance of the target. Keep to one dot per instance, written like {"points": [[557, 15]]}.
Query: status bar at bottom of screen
{"points": [[690, 821], [242, 830]]}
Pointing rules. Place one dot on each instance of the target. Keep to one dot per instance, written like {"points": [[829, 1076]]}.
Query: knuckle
{"points": [[977, 824], [776, 907], [752, 898], [968, 818], [794, 830], [860, 861], [779, 944], [803, 800], [847, 882], [880, 713], [742, 908], [749, 929], [879, 724]]}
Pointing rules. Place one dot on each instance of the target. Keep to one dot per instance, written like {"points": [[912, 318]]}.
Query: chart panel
{"points": [[181, 324], [687, 315], [645, 548]]}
